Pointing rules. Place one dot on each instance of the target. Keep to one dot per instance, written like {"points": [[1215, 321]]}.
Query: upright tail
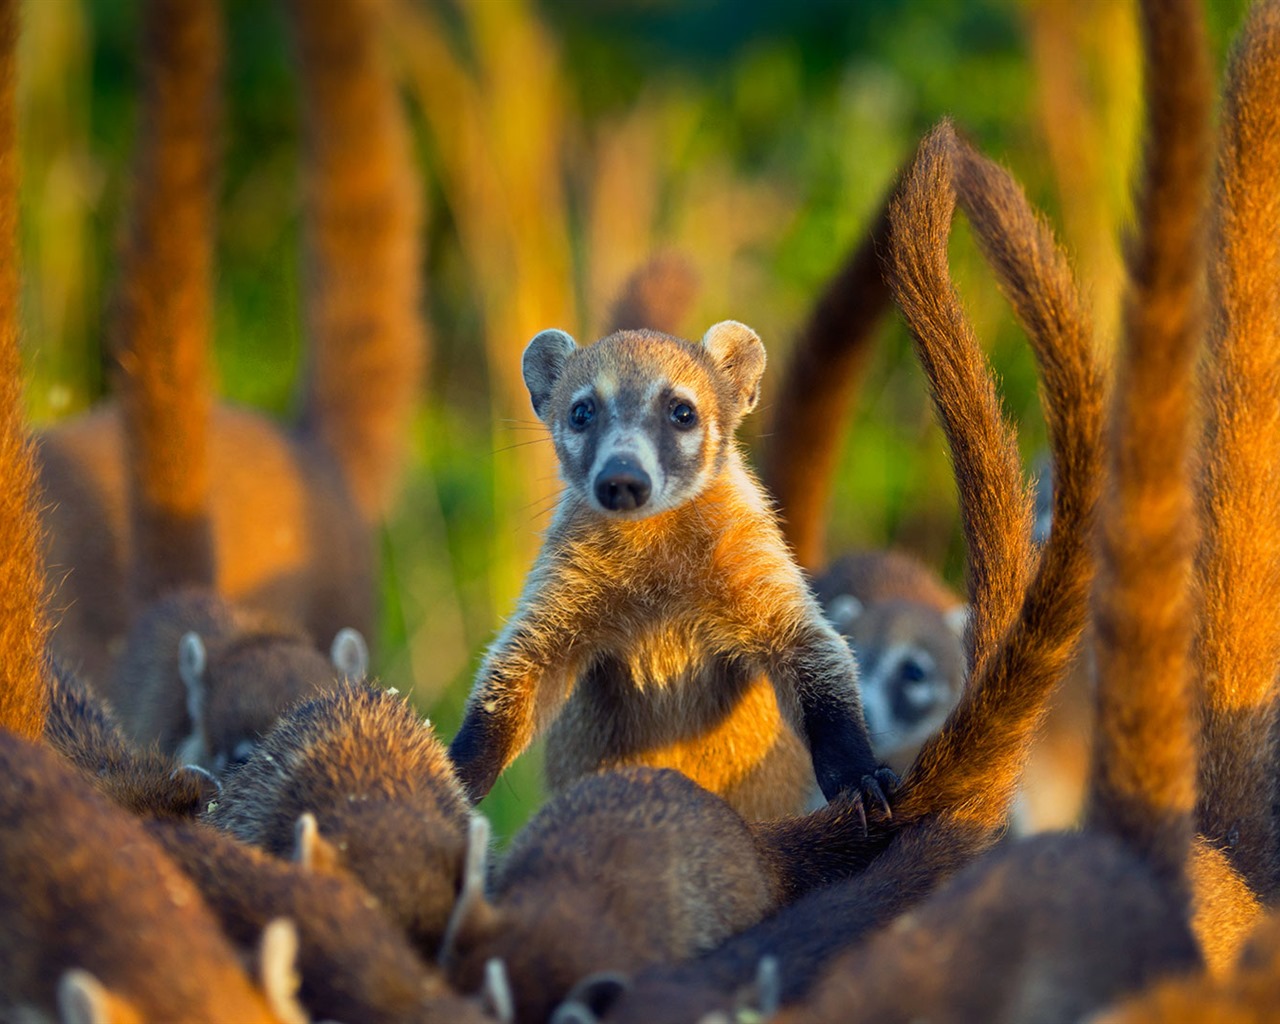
{"points": [[1238, 564], [657, 296], [1143, 783], [24, 625], [164, 305], [362, 220], [826, 366], [1024, 627]]}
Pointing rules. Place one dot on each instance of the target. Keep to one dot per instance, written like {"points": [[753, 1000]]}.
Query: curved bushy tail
{"points": [[1024, 627], [657, 296], [164, 306], [1238, 564], [362, 220], [24, 625], [1143, 782], [811, 407]]}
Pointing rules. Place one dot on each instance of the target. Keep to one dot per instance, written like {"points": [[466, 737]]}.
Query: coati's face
{"points": [[238, 689], [910, 667], [642, 421]]}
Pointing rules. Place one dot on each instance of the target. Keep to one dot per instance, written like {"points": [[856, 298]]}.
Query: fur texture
{"points": [[382, 791], [657, 296]]}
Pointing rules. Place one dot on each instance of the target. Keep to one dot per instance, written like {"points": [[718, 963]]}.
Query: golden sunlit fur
{"points": [[1238, 643], [24, 624], [644, 634], [289, 512]]}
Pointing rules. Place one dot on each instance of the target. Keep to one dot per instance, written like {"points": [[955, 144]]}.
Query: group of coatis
{"points": [[780, 788]]}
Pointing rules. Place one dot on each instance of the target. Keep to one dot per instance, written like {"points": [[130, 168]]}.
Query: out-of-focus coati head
{"points": [[239, 685], [906, 630], [643, 421]]}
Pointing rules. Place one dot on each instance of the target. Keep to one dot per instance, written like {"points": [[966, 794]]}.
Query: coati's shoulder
{"points": [[94, 909]]}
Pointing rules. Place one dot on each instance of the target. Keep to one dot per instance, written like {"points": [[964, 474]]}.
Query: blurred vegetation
{"points": [[561, 142]]}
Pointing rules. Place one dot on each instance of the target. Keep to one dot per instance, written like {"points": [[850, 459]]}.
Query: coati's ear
{"points": [[277, 963], [957, 619], [542, 365], [739, 353], [192, 662], [201, 779], [350, 654], [472, 914], [495, 993], [844, 611], [82, 999], [311, 851]]}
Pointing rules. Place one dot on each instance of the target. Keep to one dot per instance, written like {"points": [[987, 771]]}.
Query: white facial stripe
{"points": [[877, 689]]}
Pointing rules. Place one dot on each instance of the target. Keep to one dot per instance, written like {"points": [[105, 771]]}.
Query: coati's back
{"points": [[383, 794]]}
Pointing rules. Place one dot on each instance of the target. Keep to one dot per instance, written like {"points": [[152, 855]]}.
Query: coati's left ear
{"points": [[350, 654], [739, 353], [543, 362]]}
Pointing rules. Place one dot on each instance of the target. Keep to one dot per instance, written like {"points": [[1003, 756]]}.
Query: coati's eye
{"points": [[682, 415], [911, 671], [582, 413]]}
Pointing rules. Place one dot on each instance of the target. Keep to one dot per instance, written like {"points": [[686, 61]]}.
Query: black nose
{"points": [[622, 485]]}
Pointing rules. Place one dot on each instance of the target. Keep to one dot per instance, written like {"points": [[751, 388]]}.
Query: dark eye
{"points": [[682, 415], [911, 671], [582, 413]]}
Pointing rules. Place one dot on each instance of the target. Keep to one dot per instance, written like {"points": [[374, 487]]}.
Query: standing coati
{"points": [[664, 622], [290, 510], [383, 794], [955, 799], [906, 630]]}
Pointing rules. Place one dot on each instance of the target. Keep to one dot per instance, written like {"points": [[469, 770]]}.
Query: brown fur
{"points": [[826, 366], [382, 791], [362, 219], [353, 963], [24, 624], [86, 888], [646, 638], [1238, 643], [254, 669], [956, 797], [163, 310], [143, 781], [305, 554], [657, 296]]}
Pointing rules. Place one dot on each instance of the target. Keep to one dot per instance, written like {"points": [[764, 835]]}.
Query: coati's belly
{"points": [[718, 723]]}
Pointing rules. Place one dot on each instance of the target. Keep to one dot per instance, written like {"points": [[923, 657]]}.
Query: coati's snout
{"points": [[641, 421], [622, 485]]}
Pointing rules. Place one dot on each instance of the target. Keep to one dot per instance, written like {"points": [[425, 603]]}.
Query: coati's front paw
{"points": [[872, 795], [474, 761]]}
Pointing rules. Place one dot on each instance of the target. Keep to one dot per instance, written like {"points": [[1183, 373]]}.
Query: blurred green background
{"points": [[561, 142]]}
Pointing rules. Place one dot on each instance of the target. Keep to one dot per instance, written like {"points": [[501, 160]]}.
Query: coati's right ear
{"points": [[278, 971], [473, 914], [83, 999], [542, 365], [192, 661], [739, 353], [350, 654], [311, 851]]}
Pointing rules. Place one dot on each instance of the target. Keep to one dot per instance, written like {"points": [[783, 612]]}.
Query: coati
{"points": [[301, 552], [24, 621], [664, 622], [99, 923], [954, 801], [1057, 926], [906, 629], [353, 963], [684, 871], [206, 680], [383, 794]]}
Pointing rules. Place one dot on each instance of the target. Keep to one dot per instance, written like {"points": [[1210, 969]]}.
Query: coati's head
{"points": [[642, 421], [239, 685]]}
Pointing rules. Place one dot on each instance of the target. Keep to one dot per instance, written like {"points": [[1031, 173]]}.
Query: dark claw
{"points": [[859, 807], [876, 789]]}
